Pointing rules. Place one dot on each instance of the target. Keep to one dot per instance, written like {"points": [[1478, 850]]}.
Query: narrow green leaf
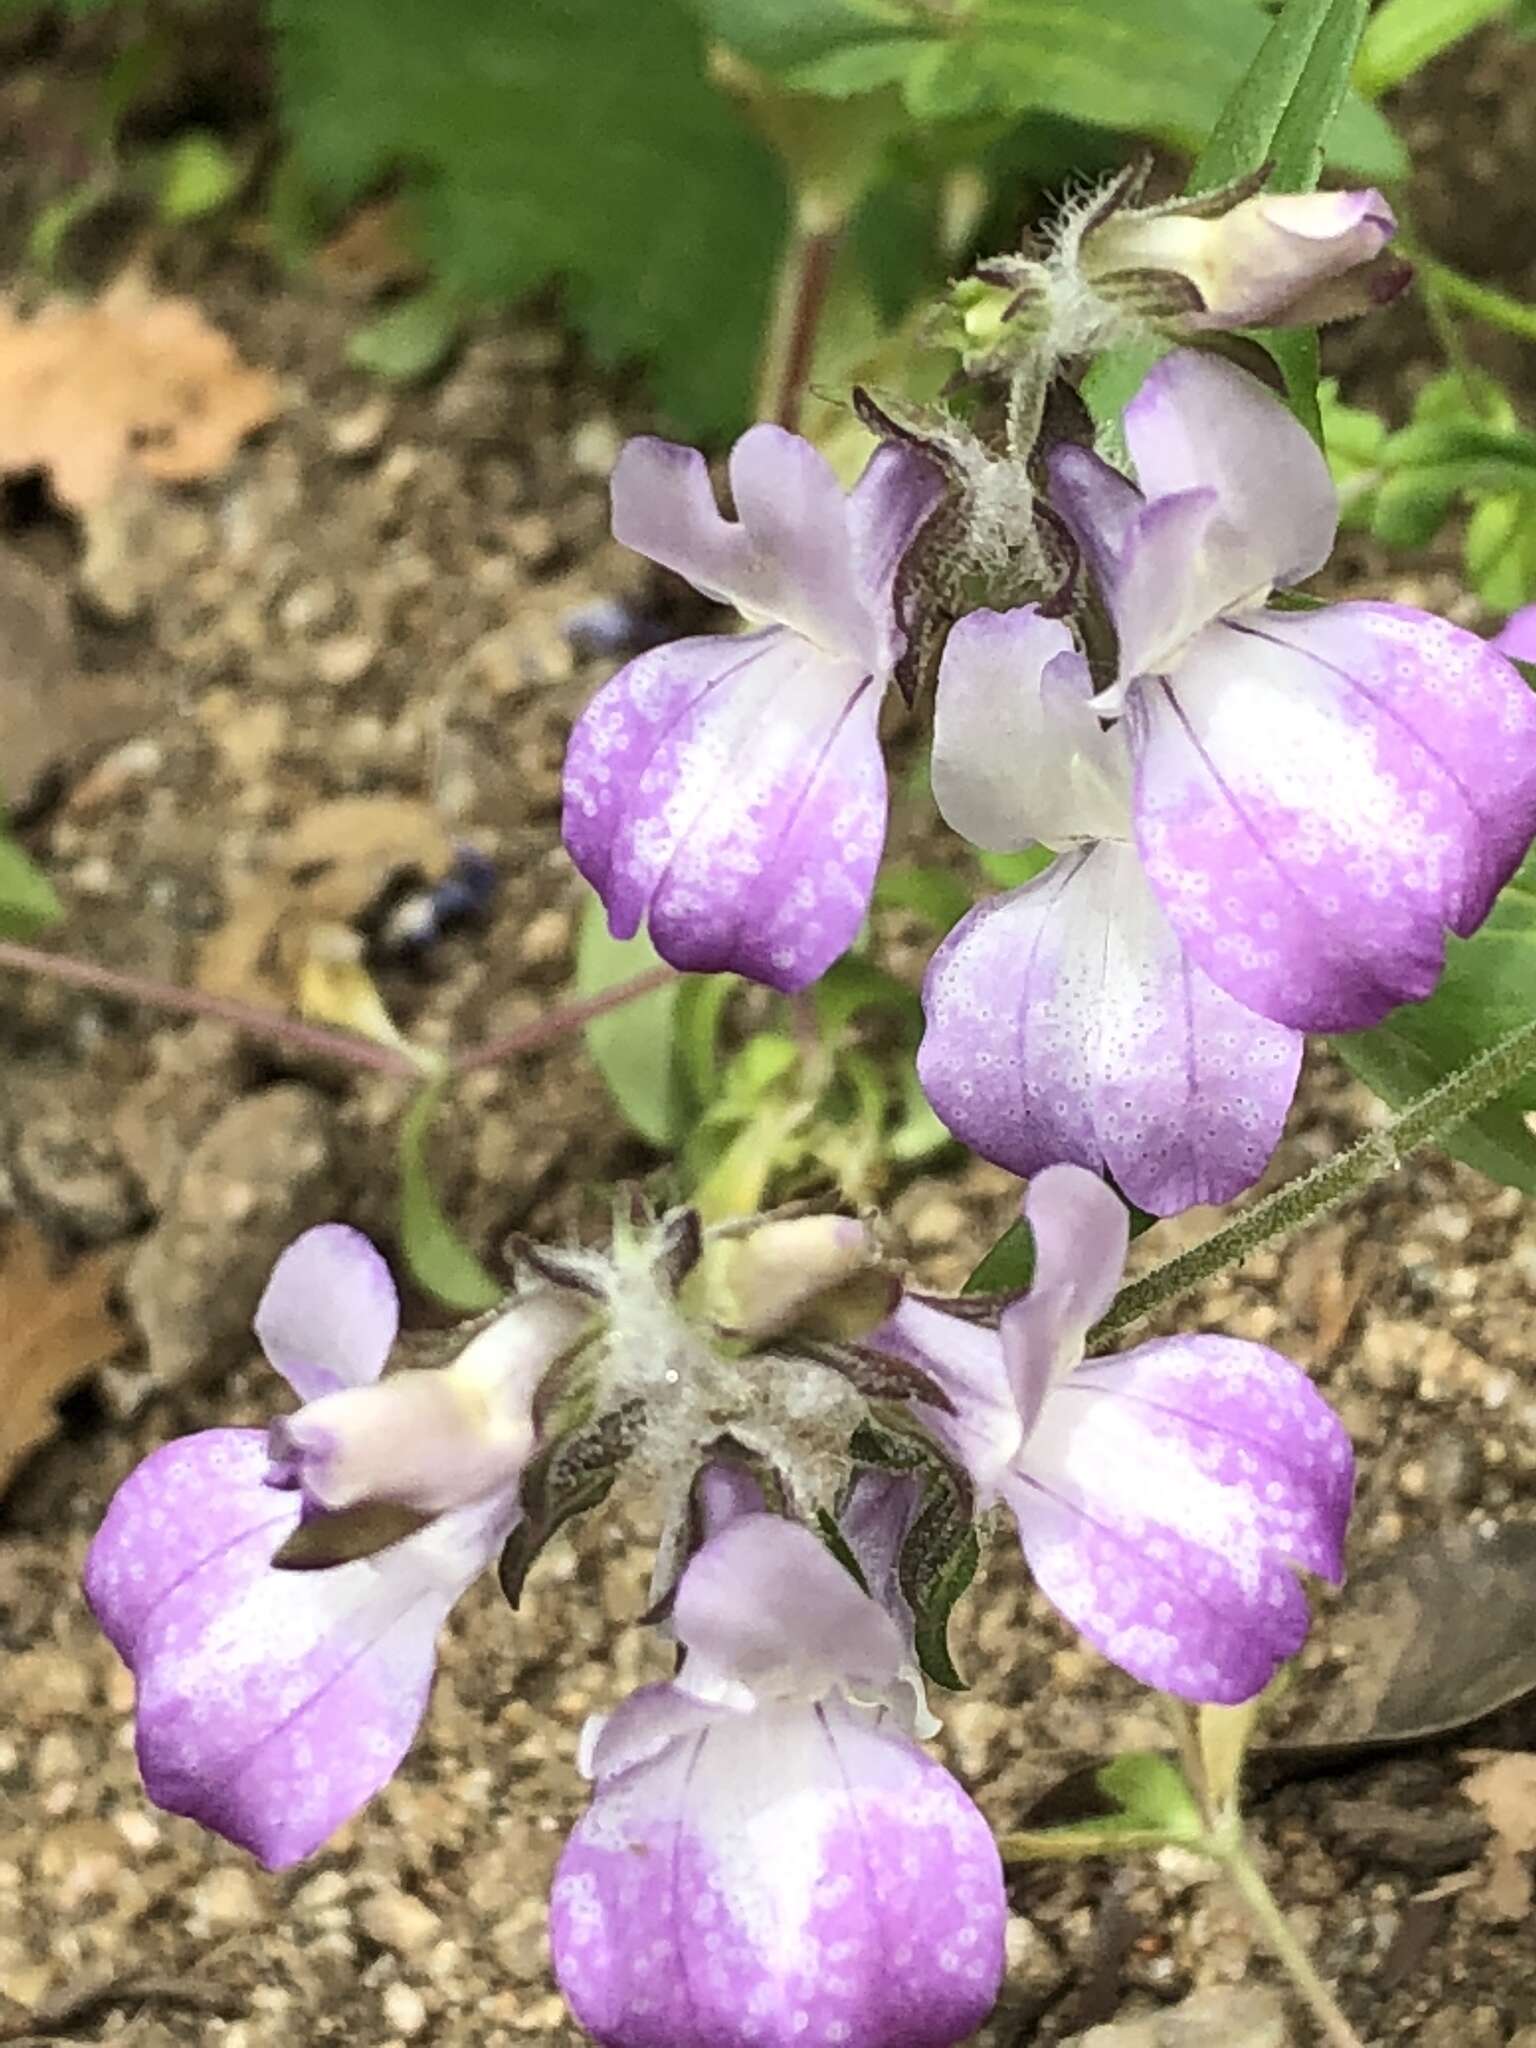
{"points": [[1244, 134], [1488, 988], [1010, 1265], [1300, 138], [634, 1048], [1151, 1793], [437, 1256], [28, 901], [1404, 35], [701, 1005]]}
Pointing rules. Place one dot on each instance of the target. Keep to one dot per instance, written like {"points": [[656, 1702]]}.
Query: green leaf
{"points": [[633, 1047], [1151, 1794], [778, 34], [937, 895], [28, 900], [1489, 987], [1163, 72], [198, 175], [438, 1258], [1244, 136], [1013, 870], [1500, 550], [1010, 1265], [1299, 146], [576, 140], [408, 340], [1404, 35], [701, 1005]]}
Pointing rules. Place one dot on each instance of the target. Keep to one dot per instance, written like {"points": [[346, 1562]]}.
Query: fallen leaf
{"points": [[1503, 1787], [51, 713], [92, 393], [331, 867], [55, 1326]]}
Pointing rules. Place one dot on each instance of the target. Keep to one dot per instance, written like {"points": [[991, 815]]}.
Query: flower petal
{"points": [[733, 792], [795, 1875], [787, 558], [765, 1611], [1082, 1232], [1318, 798], [1517, 636], [1199, 423], [886, 510], [983, 1430], [1167, 1499], [1099, 504], [1066, 1023], [271, 1704], [1018, 752], [329, 1314]]}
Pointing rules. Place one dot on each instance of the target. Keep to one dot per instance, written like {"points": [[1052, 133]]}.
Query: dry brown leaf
{"points": [[324, 872], [91, 393], [1503, 1788], [55, 1326], [370, 254]]}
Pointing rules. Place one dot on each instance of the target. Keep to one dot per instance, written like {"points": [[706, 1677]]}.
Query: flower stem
{"points": [[1482, 301], [1271, 1922], [565, 1017], [252, 1021], [1429, 1116], [805, 272]]}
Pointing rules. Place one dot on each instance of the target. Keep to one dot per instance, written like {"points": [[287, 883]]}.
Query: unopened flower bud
{"points": [[432, 1440], [779, 1274], [1283, 259]]}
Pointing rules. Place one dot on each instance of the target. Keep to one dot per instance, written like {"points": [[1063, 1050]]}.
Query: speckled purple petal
{"points": [[329, 1314], [1066, 1023], [1018, 753], [731, 792], [1099, 504], [1167, 1499], [787, 558], [1200, 423], [1517, 636], [790, 1877], [764, 1606], [271, 1705], [886, 510], [1318, 798], [1081, 1231], [982, 1429]]}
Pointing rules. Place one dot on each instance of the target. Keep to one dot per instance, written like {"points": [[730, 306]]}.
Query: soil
{"points": [[402, 593]]}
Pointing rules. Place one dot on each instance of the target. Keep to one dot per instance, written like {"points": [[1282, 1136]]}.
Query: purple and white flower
{"points": [[769, 1858], [728, 791], [1166, 1497], [1292, 259], [272, 1704], [1267, 825]]}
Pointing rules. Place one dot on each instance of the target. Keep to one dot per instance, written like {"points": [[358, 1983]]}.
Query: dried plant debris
{"points": [[94, 393], [55, 1327]]}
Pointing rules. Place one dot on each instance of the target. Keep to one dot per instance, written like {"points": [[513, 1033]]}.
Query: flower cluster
{"points": [[1266, 820], [1255, 820], [770, 1855]]}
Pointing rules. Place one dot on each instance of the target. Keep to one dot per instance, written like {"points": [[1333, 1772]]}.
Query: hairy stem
{"points": [[252, 1021], [1428, 1117], [805, 271], [1287, 1950]]}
